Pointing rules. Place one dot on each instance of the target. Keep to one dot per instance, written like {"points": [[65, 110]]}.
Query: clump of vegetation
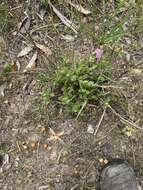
{"points": [[45, 3], [7, 69], [81, 84], [6, 19]]}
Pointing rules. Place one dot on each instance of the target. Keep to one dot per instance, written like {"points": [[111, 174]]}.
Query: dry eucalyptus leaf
{"points": [[32, 62], [24, 51], [80, 8], [64, 20], [44, 49], [24, 25]]}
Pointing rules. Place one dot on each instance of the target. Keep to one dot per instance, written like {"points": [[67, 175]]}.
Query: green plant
{"points": [[44, 3], [81, 84], [47, 95], [7, 69], [112, 35]]}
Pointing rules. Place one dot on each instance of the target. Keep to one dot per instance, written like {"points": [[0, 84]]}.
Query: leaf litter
{"points": [[76, 138]]}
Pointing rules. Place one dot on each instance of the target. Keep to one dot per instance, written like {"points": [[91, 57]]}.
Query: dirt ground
{"points": [[42, 147]]}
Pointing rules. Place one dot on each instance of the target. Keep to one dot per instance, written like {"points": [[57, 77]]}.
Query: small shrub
{"points": [[81, 84]]}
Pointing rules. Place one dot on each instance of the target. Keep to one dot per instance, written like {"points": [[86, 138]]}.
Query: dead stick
{"points": [[99, 123]]}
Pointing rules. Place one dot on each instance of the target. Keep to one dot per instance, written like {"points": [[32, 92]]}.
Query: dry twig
{"points": [[99, 123]]}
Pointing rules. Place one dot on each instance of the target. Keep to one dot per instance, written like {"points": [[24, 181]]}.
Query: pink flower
{"points": [[98, 53]]}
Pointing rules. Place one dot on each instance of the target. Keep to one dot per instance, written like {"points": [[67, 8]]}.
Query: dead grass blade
{"points": [[32, 62], [80, 8], [64, 20]]}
